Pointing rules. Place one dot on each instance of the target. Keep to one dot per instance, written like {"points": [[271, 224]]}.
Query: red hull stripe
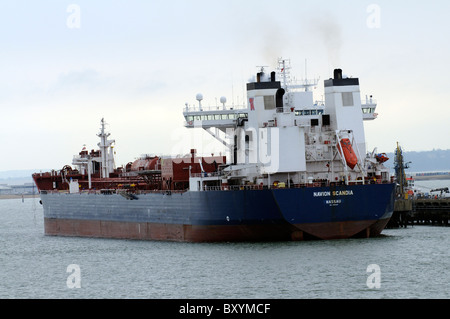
{"points": [[219, 233]]}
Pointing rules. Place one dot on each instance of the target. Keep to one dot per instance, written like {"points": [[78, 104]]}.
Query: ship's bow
{"points": [[337, 212]]}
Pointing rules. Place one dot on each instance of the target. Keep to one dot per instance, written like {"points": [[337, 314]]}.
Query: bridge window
{"points": [[368, 110]]}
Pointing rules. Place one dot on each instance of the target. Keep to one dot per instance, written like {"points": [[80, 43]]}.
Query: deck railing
{"points": [[215, 188]]}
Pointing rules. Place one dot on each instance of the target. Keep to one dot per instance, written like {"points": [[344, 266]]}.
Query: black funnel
{"points": [[338, 74]]}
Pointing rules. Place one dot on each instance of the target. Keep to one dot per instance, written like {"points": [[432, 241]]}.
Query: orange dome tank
{"points": [[145, 164]]}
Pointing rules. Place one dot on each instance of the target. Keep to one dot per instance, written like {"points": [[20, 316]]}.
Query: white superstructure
{"points": [[283, 137]]}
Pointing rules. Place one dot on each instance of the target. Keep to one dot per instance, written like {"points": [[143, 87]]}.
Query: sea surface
{"points": [[403, 263]]}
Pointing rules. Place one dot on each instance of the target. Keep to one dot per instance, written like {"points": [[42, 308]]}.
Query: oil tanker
{"points": [[293, 169]]}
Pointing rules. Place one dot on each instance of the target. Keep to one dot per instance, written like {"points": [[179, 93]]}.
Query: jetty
{"points": [[410, 209], [420, 211], [431, 211]]}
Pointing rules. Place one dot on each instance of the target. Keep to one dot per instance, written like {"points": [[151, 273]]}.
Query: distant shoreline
{"points": [[18, 196], [431, 177]]}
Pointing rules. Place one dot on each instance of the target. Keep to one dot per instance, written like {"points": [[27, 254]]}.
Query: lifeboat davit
{"points": [[349, 154]]}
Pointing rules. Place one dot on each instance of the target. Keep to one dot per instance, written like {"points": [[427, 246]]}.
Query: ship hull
{"points": [[217, 216]]}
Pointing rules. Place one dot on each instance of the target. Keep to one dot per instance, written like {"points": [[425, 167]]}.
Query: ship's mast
{"points": [[284, 70], [104, 145], [284, 73], [292, 85]]}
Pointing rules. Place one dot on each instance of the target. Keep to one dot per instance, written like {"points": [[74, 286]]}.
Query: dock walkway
{"points": [[434, 212]]}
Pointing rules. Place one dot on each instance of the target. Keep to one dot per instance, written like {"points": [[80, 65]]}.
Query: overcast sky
{"points": [[66, 64]]}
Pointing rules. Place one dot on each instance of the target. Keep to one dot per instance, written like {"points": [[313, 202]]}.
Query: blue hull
{"points": [[275, 214]]}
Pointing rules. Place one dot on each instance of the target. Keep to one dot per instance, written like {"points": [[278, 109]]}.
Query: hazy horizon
{"points": [[420, 162]]}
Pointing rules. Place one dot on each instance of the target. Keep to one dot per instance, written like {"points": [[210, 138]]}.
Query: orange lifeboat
{"points": [[381, 158], [349, 154]]}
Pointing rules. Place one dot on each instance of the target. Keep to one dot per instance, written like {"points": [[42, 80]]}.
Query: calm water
{"points": [[414, 263]]}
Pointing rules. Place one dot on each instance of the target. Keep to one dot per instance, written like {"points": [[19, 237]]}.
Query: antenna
{"points": [[261, 67], [232, 94], [306, 71]]}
